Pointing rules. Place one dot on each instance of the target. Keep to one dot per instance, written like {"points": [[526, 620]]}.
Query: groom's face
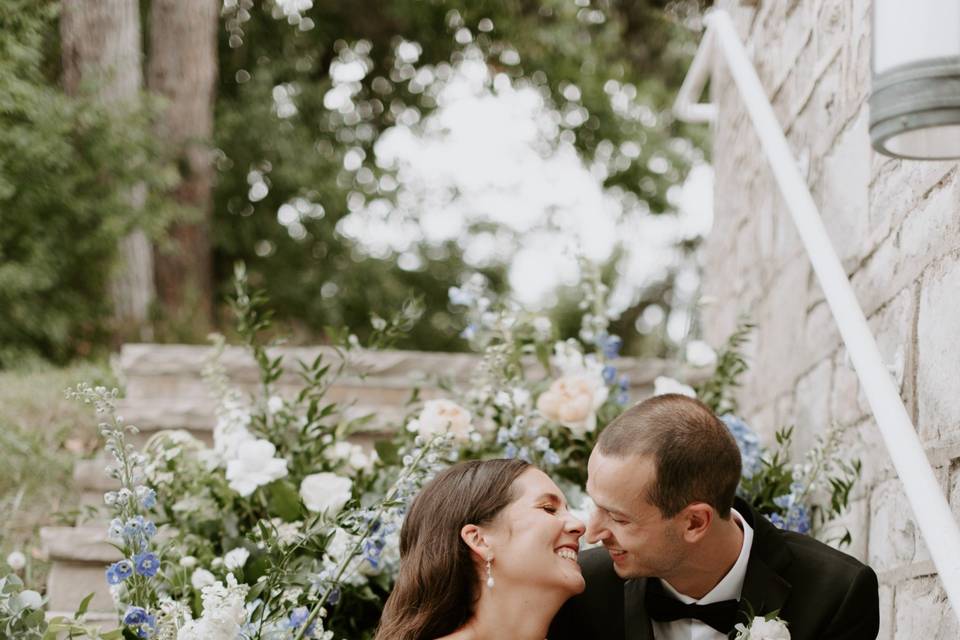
{"points": [[640, 541]]}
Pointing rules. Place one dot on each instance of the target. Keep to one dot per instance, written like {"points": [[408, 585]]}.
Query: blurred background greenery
{"points": [[173, 154]]}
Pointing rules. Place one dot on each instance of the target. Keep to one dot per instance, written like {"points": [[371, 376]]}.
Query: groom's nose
{"points": [[596, 529]]}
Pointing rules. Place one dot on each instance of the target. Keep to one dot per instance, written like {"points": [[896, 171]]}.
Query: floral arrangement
{"points": [[283, 529]]}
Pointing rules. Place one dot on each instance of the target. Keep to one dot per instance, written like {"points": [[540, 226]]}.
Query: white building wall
{"points": [[896, 227]]}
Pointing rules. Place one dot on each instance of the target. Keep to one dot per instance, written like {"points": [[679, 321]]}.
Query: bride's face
{"points": [[535, 539]]}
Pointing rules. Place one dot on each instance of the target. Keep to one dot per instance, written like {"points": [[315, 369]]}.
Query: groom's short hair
{"points": [[695, 456]]}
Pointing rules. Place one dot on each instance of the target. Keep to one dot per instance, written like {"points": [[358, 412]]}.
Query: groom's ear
{"points": [[697, 519], [472, 535]]}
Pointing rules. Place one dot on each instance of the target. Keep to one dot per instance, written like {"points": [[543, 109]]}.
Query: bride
{"points": [[488, 550]]}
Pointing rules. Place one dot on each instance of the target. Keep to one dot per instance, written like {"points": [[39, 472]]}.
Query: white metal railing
{"points": [[930, 507]]}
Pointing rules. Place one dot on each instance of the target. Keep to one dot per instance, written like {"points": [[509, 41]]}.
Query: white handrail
{"points": [[930, 507]]}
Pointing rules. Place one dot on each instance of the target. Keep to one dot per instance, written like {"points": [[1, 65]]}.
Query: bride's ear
{"points": [[473, 536]]}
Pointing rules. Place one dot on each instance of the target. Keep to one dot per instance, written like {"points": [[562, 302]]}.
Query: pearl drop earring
{"points": [[489, 573]]}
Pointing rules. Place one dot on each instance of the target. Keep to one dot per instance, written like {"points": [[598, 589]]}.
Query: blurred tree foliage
{"points": [[285, 124], [67, 168]]}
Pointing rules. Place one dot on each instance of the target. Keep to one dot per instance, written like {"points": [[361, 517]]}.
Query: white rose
{"points": [[700, 354], [664, 384], [761, 629], [325, 492], [442, 416], [573, 402], [202, 578], [16, 560], [254, 466], [236, 558], [188, 562], [352, 454], [30, 599]]}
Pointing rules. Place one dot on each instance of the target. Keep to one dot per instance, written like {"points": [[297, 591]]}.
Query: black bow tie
{"points": [[662, 608]]}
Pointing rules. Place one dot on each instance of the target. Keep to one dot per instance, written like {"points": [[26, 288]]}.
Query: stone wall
{"points": [[896, 227]]}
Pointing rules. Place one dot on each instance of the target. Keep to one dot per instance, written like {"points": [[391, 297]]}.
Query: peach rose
{"points": [[573, 402], [442, 416]]}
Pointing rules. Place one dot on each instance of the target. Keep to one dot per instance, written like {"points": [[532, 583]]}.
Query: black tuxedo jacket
{"points": [[823, 594]]}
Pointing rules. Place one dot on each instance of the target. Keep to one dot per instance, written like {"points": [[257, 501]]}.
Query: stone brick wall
{"points": [[896, 227]]}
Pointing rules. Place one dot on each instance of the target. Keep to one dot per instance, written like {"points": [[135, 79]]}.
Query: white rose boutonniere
{"points": [[761, 628], [442, 416], [573, 402], [325, 492]]}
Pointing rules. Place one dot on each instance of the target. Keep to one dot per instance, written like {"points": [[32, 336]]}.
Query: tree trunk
{"points": [[182, 68], [101, 46]]}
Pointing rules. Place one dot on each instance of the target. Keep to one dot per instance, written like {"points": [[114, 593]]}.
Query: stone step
{"points": [[68, 583], [86, 543]]}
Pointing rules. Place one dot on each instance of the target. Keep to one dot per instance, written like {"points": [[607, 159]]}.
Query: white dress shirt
{"points": [[729, 588]]}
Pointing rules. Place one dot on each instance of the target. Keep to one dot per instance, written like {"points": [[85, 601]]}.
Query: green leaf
{"points": [[388, 452], [84, 604], [283, 500]]}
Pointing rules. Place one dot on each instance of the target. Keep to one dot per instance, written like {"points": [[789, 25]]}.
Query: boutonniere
{"points": [[763, 628]]}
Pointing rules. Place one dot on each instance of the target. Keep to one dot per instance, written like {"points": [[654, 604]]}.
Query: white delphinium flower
{"points": [[171, 615], [353, 454], [442, 416], [254, 466], [236, 558], [700, 354], [16, 560], [224, 613], [665, 384], [342, 543], [202, 578], [325, 492]]}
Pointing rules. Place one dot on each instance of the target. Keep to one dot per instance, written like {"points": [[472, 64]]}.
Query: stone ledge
{"points": [[83, 544], [70, 582], [907, 572]]}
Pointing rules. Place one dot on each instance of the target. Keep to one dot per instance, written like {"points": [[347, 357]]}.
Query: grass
{"points": [[42, 434]]}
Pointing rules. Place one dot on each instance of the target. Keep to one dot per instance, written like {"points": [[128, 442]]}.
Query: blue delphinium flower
{"points": [[142, 621], [119, 571], [147, 497], [747, 442], [299, 616], [609, 374], [551, 457], [510, 451], [542, 443], [147, 564]]}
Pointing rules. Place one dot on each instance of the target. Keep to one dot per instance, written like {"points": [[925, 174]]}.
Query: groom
{"points": [[682, 558]]}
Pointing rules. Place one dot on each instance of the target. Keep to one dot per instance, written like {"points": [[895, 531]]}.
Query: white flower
{"points": [[442, 416], [30, 599], [325, 492], [224, 613], [664, 384], [352, 454], [236, 558], [188, 562], [16, 560], [254, 466], [202, 578], [573, 402], [230, 432], [542, 327], [700, 354], [762, 629], [274, 404]]}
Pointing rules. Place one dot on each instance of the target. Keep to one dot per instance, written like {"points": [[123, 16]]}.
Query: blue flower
{"points": [[469, 331], [503, 436], [524, 454], [510, 451], [334, 597], [147, 564], [147, 497], [747, 442], [145, 623], [609, 374], [611, 346], [623, 398], [624, 383], [460, 297], [119, 571], [551, 457], [541, 443], [298, 616]]}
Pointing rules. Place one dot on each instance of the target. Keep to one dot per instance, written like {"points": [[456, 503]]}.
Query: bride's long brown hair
{"points": [[438, 582]]}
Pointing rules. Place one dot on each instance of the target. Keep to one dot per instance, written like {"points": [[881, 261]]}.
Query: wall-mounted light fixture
{"points": [[915, 98]]}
